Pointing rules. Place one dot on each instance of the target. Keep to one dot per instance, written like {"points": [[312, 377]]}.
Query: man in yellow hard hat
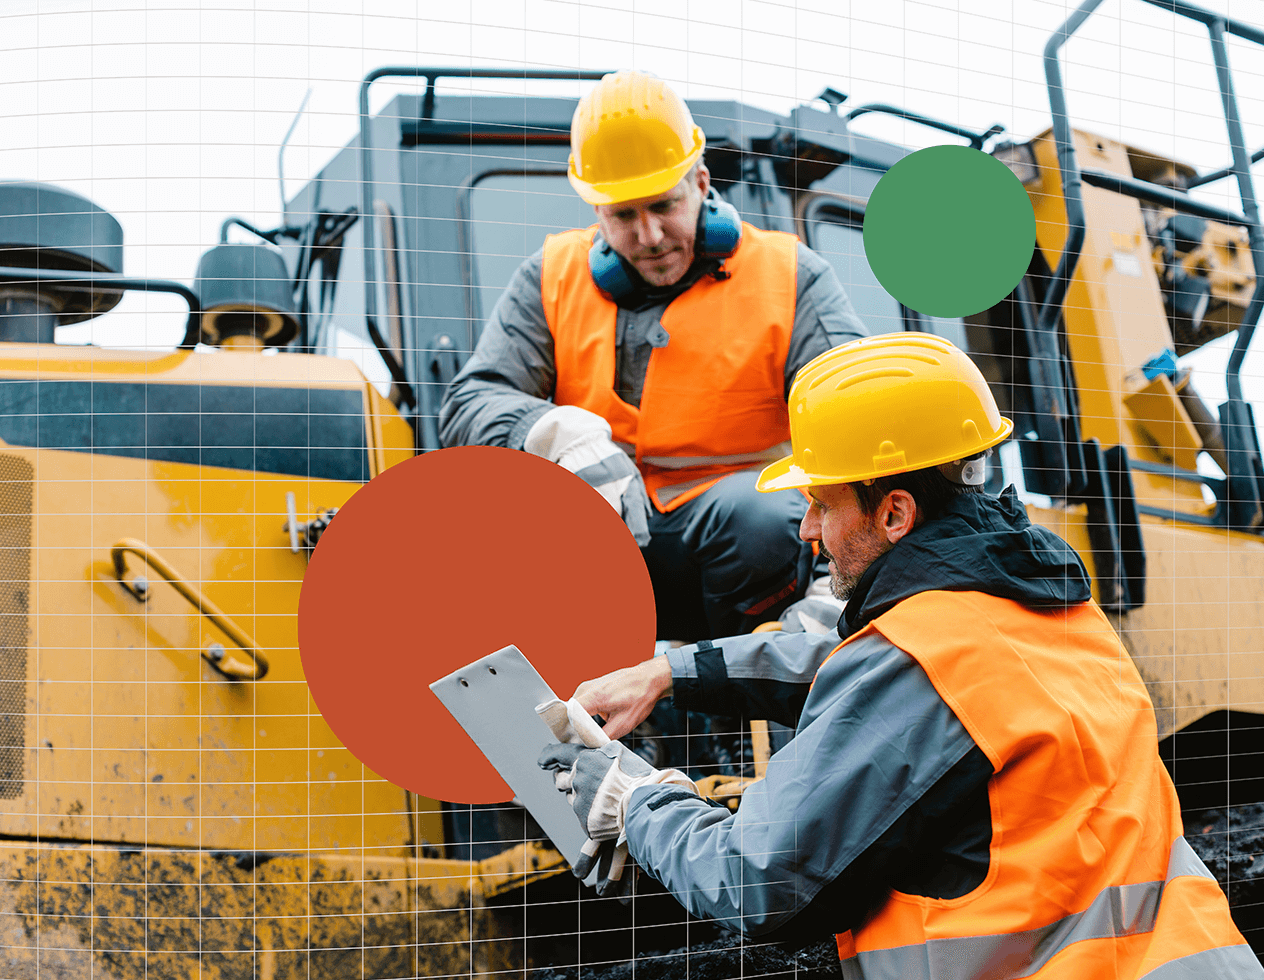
{"points": [[651, 354], [974, 788]]}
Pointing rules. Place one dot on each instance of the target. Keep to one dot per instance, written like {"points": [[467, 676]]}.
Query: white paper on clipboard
{"points": [[494, 700]]}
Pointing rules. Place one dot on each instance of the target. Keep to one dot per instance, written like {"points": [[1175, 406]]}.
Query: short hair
{"points": [[930, 489], [700, 162]]}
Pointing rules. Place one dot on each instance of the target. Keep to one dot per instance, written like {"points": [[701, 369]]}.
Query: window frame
{"points": [[474, 313], [844, 209]]}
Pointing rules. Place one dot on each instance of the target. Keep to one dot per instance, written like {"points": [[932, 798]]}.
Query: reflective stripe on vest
{"points": [[1120, 910], [713, 401], [1222, 962], [1089, 876], [734, 459]]}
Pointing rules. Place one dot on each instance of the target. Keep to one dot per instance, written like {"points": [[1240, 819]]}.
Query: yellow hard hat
{"points": [[631, 137], [885, 405]]}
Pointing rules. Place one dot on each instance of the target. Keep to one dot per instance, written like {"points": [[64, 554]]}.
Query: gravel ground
{"points": [[720, 959], [1230, 841]]}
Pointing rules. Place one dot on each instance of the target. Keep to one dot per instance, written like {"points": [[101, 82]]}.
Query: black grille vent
{"points": [[16, 477]]}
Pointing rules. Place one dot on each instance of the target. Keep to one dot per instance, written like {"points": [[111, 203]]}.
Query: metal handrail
{"points": [[1243, 490], [1223, 172], [1217, 26], [976, 139], [1168, 197], [86, 282], [367, 190], [230, 667], [1069, 167]]}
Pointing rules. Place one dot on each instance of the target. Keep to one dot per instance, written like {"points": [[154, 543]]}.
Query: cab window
{"points": [[833, 228], [509, 214]]}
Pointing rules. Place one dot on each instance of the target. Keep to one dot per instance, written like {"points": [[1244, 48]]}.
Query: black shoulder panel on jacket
{"points": [[937, 848]]}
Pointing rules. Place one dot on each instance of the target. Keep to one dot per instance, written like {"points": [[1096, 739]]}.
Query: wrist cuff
{"points": [[660, 777]]}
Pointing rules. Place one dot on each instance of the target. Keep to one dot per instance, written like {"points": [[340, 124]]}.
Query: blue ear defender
{"points": [[719, 229], [719, 234], [608, 270]]}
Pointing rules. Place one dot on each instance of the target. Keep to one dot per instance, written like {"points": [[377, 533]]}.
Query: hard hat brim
{"points": [[635, 188], [782, 475]]}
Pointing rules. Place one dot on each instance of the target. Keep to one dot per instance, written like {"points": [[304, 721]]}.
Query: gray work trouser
{"points": [[727, 560]]}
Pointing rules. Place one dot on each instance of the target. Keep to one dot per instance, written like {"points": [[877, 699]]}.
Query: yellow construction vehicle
{"points": [[172, 803]]}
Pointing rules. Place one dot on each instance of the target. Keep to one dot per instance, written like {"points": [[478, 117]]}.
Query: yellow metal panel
{"points": [[1114, 311], [394, 441], [1115, 319], [1197, 641], [134, 738], [428, 821], [1162, 417], [124, 708], [54, 362]]}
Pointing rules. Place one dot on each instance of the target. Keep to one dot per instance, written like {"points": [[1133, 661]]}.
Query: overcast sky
{"points": [[169, 113]]}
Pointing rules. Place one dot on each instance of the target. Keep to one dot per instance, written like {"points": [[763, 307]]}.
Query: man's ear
{"points": [[704, 179], [897, 515]]}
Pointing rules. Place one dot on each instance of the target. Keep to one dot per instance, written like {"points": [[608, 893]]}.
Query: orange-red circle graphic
{"points": [[444, 559]]}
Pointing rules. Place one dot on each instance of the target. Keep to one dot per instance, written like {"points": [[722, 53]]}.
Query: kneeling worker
{"points": [[651, 355], [974, 788]]}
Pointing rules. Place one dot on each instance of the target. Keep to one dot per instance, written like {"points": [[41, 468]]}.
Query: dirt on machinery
{"points": [[1230, 840]]}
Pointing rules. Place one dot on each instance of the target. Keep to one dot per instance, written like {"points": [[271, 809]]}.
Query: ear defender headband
{"points": [[969, 472], [719, 234]]}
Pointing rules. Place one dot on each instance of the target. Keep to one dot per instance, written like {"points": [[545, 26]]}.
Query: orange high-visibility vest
{"points": [[714, 398], [1089, 876]]}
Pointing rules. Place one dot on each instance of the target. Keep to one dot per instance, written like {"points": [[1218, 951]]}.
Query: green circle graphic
{"points": [[949, 231]]}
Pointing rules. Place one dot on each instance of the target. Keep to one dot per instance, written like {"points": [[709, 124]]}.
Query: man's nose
{"points": [[810, 526], [649, 230]]}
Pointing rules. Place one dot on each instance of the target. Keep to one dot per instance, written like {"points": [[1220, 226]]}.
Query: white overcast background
{"points": [[169, 113]]}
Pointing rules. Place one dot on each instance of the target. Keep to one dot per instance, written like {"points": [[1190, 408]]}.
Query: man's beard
{"points": [[844, 586], [862, 552]]}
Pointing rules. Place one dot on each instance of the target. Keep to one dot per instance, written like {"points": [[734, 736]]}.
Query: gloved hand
{"points": [[598, 783], [813, 614], [580, 441], [570, 723], [614, 877]]}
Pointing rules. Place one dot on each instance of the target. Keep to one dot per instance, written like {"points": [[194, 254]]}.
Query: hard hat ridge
{"points": [[885, 405], [631, 137]]}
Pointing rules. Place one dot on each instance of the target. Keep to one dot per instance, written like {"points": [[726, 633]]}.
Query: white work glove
{"points": [[570, 723], [580, 441], [813, 614], [583, 749], [599, 783]]}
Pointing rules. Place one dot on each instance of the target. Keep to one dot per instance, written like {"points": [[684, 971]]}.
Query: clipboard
{"points": [[494, 700]]}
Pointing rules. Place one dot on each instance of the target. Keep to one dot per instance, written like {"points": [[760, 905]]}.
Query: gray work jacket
{"points": [[844, 809], [506, 385]]}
